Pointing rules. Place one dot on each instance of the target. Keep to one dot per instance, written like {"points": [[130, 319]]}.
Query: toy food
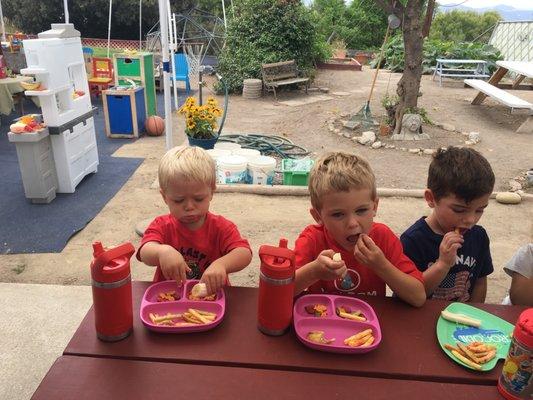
{"points": [[26, 124], [318, 337], [30, 85], [346, 312], [167, 296], [318, 310], [474, 354], [460, 318]]}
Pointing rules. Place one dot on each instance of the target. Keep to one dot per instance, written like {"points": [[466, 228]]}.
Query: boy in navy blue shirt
{"points": [[447, 246]]}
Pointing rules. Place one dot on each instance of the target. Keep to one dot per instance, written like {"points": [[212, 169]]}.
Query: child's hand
{"points": [[214, 277], [327, 269], [172, 265], [368, 253], [451, 242]]}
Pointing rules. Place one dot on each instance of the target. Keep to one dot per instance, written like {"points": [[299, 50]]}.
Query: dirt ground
{"points": [[265, 219]]}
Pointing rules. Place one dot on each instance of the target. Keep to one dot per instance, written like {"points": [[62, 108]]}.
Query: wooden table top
{"points": [[408, 350], [90, 378]]}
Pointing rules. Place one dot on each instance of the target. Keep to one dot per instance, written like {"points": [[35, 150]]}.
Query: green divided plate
{"points": [[493, 330]]}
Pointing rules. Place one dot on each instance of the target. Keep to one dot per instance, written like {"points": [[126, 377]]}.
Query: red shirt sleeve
{"points": [[156, 232], [393, 250]]}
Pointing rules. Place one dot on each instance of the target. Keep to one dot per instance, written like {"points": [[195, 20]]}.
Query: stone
{"points": [[347, 134], [367, 138], [337, 130], [474, 137], [331, 128], [414, 151], [356, 138], [403, 149], [448, 127], [469, 142], [465, 133], [376, 145], [429, 152], [514, 185], [353, 125], [390, 146], [344, 115], [324, 89], [508, 198]]}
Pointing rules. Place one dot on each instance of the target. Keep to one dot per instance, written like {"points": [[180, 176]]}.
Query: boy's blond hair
{"points": [[339, 172], [192, 164]]}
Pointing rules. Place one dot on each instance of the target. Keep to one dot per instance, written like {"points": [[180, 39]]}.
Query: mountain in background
{"points": [[508, 13]]}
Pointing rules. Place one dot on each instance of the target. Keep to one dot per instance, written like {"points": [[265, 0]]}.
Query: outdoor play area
{"points": [[84, 122]]}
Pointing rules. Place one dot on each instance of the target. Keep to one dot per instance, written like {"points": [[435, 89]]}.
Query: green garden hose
{"points": [[266, 144]]}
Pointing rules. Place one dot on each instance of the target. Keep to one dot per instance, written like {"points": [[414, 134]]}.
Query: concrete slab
{"points": [[36, 323], [306, 100]]}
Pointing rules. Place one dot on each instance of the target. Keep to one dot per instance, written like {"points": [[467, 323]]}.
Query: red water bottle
{"points": [[516, 381], [276, 289], [111, 283]]}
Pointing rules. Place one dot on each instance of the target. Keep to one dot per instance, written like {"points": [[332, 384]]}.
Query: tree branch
{"points": [[428, 18], [386, 6]]}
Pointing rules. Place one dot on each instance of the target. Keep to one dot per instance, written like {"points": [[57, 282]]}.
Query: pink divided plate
{"points": [[333, 326], [150, 304]]}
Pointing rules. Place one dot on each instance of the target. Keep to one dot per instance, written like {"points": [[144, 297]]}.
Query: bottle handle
{"points": [[125, 249]]}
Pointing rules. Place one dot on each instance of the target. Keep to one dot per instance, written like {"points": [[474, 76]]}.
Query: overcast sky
{"points": [[520, 4]]}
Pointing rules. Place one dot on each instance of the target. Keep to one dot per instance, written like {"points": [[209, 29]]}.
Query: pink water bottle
{"points": [[516, 380], [276, 289]]}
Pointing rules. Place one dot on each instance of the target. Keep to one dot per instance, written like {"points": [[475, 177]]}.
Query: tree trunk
{"points": [[409, 85]]}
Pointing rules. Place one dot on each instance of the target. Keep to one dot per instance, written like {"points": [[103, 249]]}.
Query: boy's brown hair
{"points": [[339, 172], [192, 164], [462, 172]]}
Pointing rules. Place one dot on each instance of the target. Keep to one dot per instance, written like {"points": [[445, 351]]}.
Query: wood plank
{"points": [[87, 378], [498, 94], [409, 349]]}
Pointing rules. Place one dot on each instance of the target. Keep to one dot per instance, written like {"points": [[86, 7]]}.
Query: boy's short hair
{"points": [[192, 164], [339, 172], [460, 171]]}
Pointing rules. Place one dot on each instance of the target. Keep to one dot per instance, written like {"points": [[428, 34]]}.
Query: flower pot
{"points": [[361, 58], [205, 144], [384, 130]]}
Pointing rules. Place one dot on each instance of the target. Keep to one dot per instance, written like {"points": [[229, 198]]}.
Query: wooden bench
{"points": [[281, 73], [500, 95]]}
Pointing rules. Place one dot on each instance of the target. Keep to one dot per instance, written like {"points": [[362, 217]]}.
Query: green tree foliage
{"points": [[464, 26], [361, 24], [90, 17], [267, 31]]}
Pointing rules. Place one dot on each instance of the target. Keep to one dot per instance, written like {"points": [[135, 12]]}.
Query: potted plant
{"points": [[389, 103], [201, 122]]}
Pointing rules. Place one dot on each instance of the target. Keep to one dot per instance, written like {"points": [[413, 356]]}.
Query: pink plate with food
{"points": [[165, 307], [336, 324]]}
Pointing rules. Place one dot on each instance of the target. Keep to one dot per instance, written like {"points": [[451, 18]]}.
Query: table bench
{"points": [[480, 71], [280, 74], [508, 99]]}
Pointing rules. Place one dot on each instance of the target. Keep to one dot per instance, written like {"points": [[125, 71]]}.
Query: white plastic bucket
{"points": [[249, 154], [232, 169], [227, 146], [217, 153], [261, 170]]}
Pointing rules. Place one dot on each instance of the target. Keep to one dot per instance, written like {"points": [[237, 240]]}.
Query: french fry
{"points": [[488, 357], [206, 313], [199, 316], [450, 347], [190, 318], [466, 360], [369, 341], [359, 335], [353, 317], [465, 350], [160, 318]]}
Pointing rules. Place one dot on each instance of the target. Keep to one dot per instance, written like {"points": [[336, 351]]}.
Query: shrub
{"points": [[267, 31]]}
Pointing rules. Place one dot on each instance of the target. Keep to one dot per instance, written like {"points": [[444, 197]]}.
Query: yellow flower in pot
{"points": [[201, 120]]}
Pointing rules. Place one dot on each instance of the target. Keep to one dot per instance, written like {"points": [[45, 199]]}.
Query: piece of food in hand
{"points": [[318, 310], [337, 257], [318, 337], [460, 318], [167, 296], [199, 290], [345, 312]]}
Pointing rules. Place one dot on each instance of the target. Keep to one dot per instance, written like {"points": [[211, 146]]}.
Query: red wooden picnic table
{"points": [[408, 351], [75, 377]]}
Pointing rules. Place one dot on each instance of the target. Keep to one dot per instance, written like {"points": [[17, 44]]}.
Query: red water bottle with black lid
{"points": [[516, 380], [111, 284], [276, 289]]}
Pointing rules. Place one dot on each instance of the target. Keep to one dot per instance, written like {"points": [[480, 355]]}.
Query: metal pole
{"points": [[65, 6], [3, 26], [163, 23], [200, 84], [140, 24], [224, 13], [109, 27]]}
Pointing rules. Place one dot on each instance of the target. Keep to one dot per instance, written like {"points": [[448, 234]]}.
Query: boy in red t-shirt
{"points": [[344, 203], [191, 242]]}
